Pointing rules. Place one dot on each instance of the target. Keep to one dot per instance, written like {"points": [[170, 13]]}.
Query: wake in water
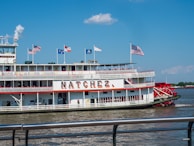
{"points": [[184, 105]]}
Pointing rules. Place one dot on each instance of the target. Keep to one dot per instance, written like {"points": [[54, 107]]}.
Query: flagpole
{"points": [[33, 58], [130, 53], [64, 54], [57, 54], [84, 55], [64, 57], [32, 54], [94, 55], [28, 54]]}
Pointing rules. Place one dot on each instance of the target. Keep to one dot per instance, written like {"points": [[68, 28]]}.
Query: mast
{"points": [[130, 53]]}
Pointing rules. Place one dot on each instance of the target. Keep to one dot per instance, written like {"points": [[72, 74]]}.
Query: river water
{"points": [[184, 108]]}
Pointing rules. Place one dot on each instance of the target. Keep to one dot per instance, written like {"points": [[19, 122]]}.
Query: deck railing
{"points": [[73, 74], [69, 107], [114, 123]]}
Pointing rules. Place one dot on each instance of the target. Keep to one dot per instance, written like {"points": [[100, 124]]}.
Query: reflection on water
{"points": [[144, 139]]}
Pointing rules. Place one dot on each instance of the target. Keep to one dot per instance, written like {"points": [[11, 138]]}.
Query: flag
{"points": [[88, 51], [36, 48], [136, 50], [67, 49], [97, 49], [60, 51], [30, 51]]}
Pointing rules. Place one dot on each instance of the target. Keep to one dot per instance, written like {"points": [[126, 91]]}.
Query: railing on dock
{"points": [[26, 128]]}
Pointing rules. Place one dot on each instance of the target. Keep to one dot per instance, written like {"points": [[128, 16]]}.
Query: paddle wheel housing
{"points": [[164, 91]]}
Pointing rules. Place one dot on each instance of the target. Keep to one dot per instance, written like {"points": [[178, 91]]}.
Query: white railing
{"points": [[72, 75], [25, 89], [69, 107], [140, 85]]}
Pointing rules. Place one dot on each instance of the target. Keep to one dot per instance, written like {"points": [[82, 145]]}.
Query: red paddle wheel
{"points": [[164, 94]]}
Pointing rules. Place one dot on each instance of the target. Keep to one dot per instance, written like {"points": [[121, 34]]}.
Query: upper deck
{"points": [[10, 70], [40, 77], [30, 77], [70, 71]]}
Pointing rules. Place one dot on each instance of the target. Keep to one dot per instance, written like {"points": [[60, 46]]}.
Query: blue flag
{"points": [[60, 51], [88, 51]]}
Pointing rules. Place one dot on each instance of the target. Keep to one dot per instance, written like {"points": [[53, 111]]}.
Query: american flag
{"points": [[136, 50], [67, 49], [36, 48], [30, 51]]}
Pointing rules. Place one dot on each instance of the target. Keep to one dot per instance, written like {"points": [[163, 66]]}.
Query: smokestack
{"points": [[19, 29]]}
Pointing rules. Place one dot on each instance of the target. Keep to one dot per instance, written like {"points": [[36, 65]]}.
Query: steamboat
{"points": [[30, 87]]}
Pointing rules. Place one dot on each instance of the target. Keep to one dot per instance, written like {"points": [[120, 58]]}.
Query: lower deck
{"points": [[70, 108], [70, 100]]}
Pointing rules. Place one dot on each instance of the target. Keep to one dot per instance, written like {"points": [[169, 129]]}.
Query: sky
{"points": [[163, 29]]}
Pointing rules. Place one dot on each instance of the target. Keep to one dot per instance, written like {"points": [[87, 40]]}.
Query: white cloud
{"points": [[179, 69], [100, 19]]}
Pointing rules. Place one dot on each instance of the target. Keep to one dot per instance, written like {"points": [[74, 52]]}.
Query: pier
{"points": [[27, 130]]}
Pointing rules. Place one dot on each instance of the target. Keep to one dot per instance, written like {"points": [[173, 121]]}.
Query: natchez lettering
{"points": [[85, 84]]}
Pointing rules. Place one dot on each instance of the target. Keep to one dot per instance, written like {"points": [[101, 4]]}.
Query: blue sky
{"points": [[164, 29]]}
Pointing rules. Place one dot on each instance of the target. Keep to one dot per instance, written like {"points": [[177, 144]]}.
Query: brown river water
{"points": [[184, 108]]}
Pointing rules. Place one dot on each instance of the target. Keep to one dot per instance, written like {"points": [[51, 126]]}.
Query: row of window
{"points": [[120, 99], [7, 56], [26, 83]]}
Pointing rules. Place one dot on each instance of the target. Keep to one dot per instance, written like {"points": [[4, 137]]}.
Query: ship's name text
{"points": [[86, 84]]}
